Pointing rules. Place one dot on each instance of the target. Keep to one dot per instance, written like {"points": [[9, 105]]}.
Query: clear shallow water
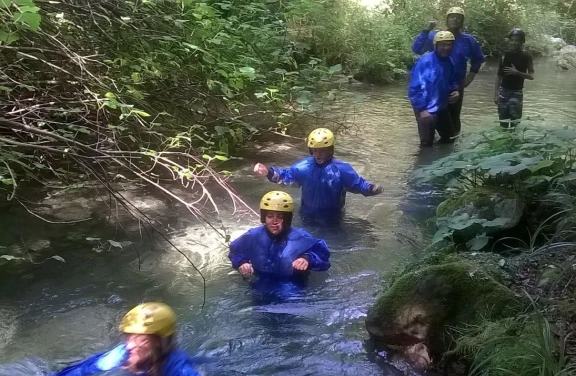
{"points": [[55, 313]]}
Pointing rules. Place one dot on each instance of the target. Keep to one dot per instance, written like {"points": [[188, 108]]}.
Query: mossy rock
{"points": [[483, 203], [421, 304]]}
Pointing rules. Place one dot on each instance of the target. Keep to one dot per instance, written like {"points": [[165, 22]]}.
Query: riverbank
{"points": [[497, 284]]}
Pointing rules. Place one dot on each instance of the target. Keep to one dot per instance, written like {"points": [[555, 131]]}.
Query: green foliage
{"points": [[535, 351], [529, 159]]}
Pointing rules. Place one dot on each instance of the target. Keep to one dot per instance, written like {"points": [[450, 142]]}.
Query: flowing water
{"points": [[54, 313]]}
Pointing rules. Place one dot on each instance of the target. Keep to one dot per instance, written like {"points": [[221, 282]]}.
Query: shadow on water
{"points": [[55, 313]]}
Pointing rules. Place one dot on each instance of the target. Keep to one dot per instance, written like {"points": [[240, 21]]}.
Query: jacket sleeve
{"points": [[239, 248], [419, 87], [97, 363], [318, 257], [188, 370], [476, 56], [353, 182], [423, 43], [285, 176]]}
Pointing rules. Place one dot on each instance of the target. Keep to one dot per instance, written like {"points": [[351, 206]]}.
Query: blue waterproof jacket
{"points": [[273, 255], [431, 82], [466, 48], [324, 186], [176, 364]]}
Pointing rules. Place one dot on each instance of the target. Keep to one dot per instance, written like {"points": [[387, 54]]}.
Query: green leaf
{"points": [[31, 20], [141, 113], [541, 165], [29, 9], [8, 38], [206, 156], [92, 239], [498, 222], [568, 177], [248, 72], [336, 68], [23, 2], [479, 242], [9, 258], [221, 158], [6, 3], [132, 138], [115, 244], [58, 258]]}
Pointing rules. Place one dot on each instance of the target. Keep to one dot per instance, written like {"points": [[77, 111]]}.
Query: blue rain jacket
{"points": [[431, 82], [466, 48], [324, 186], [273, 255], [176, 364]]}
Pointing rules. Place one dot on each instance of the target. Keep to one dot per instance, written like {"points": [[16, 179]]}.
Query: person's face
{"points": [[444, 48], [515, 42], [141, 349], [322, 155], [454, 21], [274, 222]]}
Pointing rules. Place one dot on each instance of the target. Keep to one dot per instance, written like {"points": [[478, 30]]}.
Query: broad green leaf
{"points": [[115, 244], [336, 68], [221, 158], [6, 3], [8, 38], [478, 242], [568, 177], [29, 9], [541, 165], [31, 20], [9, 258], [496, 222], [21, 3], [58, 258]]}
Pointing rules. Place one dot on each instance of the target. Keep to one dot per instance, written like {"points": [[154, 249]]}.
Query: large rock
{"points": [[419, 305], [481, 210], [566, 57]]}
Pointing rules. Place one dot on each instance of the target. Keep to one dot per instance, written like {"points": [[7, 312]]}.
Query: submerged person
{"points": [[466, 48], [148, 350], [323, 178], [515, 66], [276, 250], [432, 87]]}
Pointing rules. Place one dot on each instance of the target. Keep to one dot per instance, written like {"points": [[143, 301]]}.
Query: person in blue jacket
{"points": [[432, 87], [276, 250], [466, 48], [148, 350], [323, 178]]}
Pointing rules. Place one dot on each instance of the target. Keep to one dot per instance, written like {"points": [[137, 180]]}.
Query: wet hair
{"points": [[287, 217], [157, 356]]}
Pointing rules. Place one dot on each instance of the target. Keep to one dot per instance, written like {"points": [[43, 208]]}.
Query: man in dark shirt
{"points": [[515, 66]]}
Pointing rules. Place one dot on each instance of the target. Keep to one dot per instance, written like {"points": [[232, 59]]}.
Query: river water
{"points": [[54, 313]]}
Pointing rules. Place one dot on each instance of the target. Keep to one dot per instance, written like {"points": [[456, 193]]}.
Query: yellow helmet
{"points": [[321, 138], [455, 10], [277, 201], [150, 318], [443, 36]]}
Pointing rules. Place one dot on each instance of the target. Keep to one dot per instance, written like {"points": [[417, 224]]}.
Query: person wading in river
{"points": [[323, 178], [432, 87], [148, 350], [515, 66], [276, 250], [466, 48]]}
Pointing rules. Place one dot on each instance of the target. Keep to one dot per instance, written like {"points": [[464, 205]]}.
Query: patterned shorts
{"points": [[510, 104]]}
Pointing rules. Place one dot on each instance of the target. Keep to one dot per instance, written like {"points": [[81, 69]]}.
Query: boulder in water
{"points": [[422, 303], [480, 210], [566, 57]]}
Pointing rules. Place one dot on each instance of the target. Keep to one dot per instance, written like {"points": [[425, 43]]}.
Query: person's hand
{"points": [[431, 25], [511, 71], [261, 169], [425, 114], [113, 358], [246, 269], [454, 96], [496, 99], [469, 78], [377, 189], [300, 264]]}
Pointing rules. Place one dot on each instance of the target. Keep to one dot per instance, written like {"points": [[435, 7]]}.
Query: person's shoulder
{"points": [[340, 164], [304, 163], [526, 54], [297, 233]]}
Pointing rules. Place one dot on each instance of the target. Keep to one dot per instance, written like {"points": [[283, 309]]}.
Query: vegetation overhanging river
{"points": [[55, 313]]}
